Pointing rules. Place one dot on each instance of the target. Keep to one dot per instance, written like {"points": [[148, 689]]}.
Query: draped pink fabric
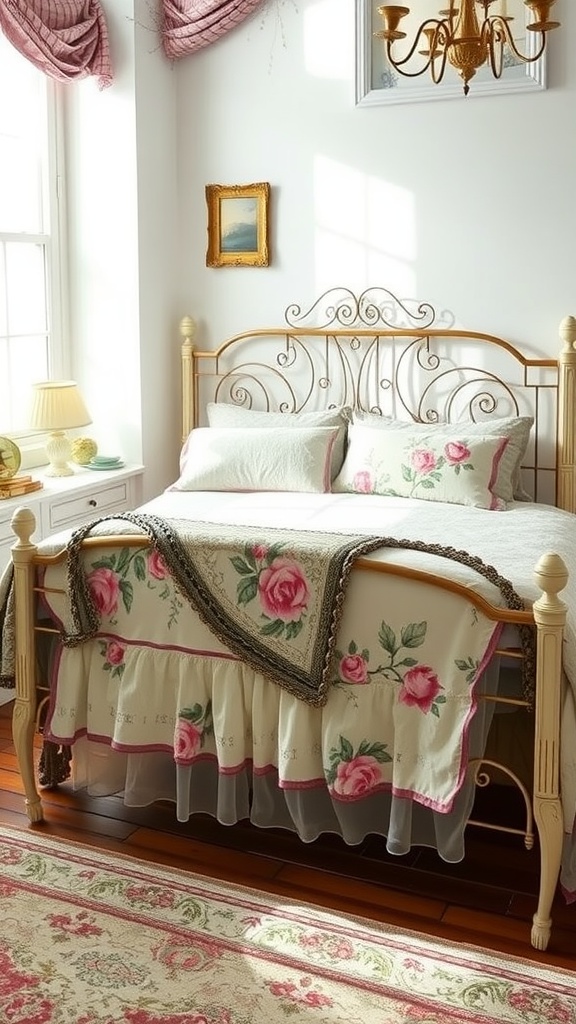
{"points": [[66, 39], [188, 25]]}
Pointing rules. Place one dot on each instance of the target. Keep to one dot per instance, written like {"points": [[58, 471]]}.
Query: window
{"points": [[31, 314]]}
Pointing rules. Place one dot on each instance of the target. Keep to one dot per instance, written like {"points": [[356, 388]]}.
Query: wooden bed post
{"points": [[566, 457], [189, 413], [551, 576], [24, 714]]}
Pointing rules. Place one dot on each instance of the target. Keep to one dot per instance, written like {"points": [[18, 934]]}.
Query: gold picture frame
{"points": [[238, 225]]}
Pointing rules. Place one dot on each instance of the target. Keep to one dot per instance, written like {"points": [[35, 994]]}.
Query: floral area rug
{"points": [[91, 938]]}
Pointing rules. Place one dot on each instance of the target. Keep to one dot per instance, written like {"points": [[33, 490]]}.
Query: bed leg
{"points": [[23, 727], [551, 576], [549, 821], [24, 715]]}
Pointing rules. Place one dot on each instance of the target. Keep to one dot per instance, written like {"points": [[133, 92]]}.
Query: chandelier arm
{"points": [[497, 22], [440, 24], [489, 41], [438, 76], [522, 56]]}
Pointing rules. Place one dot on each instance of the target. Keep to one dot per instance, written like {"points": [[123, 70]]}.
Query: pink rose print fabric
{"points": [[115, 652], [279, 582], [355, 771], [420, 688], [104, 589], [456, 452], [156, 565], [112, 653], [436, 467], [353, 668], [283, 590], [193, 728], [358, 776], [364, 482], [400, 690], [423, 461]]}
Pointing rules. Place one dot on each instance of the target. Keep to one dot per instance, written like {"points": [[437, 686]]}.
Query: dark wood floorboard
{"points": [[487, 900]]}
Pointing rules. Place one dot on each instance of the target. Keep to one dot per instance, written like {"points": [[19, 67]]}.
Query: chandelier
{"points": [[460, 38]]}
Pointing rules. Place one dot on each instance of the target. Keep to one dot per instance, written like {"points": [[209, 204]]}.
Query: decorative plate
{"points": [[10, 458], [104, 465]]}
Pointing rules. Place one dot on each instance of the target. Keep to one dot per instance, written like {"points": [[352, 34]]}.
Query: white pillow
{"points": [[456, 468], [274, 459], [508, 485], [223, 414]]}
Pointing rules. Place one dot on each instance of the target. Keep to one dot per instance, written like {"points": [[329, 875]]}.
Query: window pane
{"points": [[22, 141], [25, 277], [30, 281], [29, 363], [3, 310], [4, 384]]}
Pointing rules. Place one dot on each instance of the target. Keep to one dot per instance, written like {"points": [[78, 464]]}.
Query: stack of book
{"points": [[17, 485]]}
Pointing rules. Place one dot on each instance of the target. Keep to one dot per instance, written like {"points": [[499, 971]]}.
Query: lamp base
{"points": [[60, 469], [58, 450]]}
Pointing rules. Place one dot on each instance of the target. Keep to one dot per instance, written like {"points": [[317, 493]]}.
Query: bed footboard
{"points": [[549, 615]]}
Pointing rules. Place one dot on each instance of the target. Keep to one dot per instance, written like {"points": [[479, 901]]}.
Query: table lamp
{"points": [[58, 406]]}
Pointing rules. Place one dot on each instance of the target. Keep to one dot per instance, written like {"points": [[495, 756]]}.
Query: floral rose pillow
{"points": [[436, 466]]}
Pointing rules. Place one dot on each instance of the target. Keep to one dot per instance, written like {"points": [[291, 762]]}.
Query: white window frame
{"points": [[31, 443]]}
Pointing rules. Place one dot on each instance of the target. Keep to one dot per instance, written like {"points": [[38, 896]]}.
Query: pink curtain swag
{"points": [[66, 39], [189, 25]]}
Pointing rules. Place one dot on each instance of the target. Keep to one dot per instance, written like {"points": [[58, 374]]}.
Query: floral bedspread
{"points": [[155, 677], [274, 597]]}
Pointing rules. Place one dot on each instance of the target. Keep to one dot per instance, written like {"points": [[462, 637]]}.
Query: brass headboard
{"points": [[396, 358]]}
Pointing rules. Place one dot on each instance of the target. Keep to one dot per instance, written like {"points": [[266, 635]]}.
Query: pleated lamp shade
{"points": [[57, 406]]}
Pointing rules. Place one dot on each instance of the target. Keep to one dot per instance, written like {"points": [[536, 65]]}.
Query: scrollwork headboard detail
{"points": [[396, 358], [374, 308]]}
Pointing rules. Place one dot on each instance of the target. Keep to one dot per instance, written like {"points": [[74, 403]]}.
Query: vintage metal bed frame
{"points": [[377, 353]]}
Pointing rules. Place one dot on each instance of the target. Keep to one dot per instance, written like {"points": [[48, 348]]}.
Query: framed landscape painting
{"points": [[238, 225]]}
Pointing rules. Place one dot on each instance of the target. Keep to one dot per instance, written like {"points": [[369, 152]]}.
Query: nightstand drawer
{"points": [[92, 504]]}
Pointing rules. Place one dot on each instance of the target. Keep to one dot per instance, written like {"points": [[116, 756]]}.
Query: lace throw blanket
{"points": [[273, 596], [7, 618], [274, 600]]}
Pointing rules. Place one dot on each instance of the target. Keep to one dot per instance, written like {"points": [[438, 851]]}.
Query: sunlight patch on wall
{"points": [[328, 28], [365, 230]]}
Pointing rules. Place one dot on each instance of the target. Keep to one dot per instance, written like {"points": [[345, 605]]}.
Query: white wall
{"points": [[122, 216], [465, 203]]}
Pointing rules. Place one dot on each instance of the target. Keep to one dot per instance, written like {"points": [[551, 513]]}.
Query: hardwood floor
{"points": [[487, 900]]}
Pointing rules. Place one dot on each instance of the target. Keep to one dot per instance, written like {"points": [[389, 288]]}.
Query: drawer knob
{"points": [[93, 503]]}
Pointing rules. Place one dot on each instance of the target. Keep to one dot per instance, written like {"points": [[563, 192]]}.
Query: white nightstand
{"points": [[69, 501]]}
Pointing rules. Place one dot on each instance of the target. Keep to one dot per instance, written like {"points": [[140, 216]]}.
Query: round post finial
{"points": [[188, 328], [551, 576], [568, 332], [23, 523]]}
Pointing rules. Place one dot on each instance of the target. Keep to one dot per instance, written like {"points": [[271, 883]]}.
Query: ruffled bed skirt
{"points": [[200, 788], [143, 778]]}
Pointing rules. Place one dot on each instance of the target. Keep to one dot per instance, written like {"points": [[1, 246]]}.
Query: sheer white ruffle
{"points": [[230, 797]]}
